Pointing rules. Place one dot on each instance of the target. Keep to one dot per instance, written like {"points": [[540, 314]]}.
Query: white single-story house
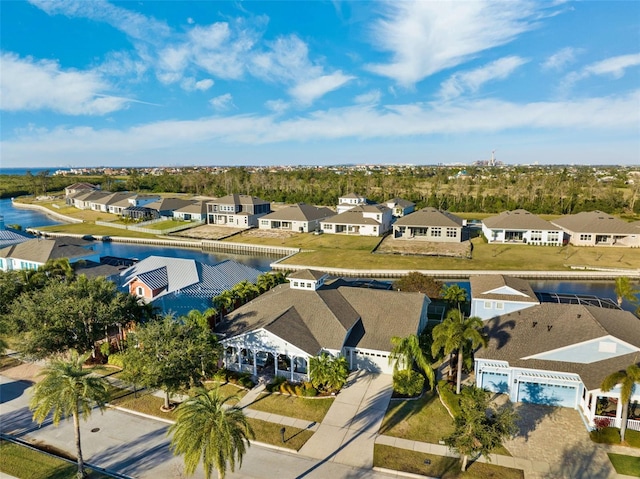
{"points": [[495, 294], [32, 254], [520, 226], [559, 355], [196, 211], [363, 220], [280, 330], [595, 228], [430, 224], [348, 201], [301, 218]]}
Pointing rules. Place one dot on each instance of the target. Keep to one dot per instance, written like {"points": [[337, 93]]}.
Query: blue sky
{"points": [[92, 82]]}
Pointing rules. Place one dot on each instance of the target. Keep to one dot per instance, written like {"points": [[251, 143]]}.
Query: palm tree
{"points": [[454, 294], [625, 290], [68, 390], [406, 352], [209, 430], [328, 372], [59, 269], [627, 380], [453, 334]]}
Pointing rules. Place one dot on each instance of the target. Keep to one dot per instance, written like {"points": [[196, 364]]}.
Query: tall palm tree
{"points": [[406, 352], [624, 290], [208, 430], [454, 333], [627, 380], [68, 390], [454, 294]]}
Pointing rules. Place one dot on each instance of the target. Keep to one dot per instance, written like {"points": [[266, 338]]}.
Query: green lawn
{"points": [[269, 433], [439, 466], [627, 465], [423, 419], [145, 403], [228, 389], [163, 225], [292, 406], [25, 463], [95, 230], [311, 241]]}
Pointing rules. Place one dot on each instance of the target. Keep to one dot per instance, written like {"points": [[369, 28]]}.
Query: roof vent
{"points": [[534, 324], [578, 316], [549, 327]]}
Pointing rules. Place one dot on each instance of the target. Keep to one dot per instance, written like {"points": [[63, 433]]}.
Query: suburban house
{"points": [[301, 218], [494, 294], [178, 285], [520, 226], [280, 330], [595, 228], [196, 211], [36, 252], [83, 199], [363, 220], [559, 354], [155, 209], [430, 224], [77, 188], [348, 201], [241, 211], [400, 207], [9, 236], [103, 203]]}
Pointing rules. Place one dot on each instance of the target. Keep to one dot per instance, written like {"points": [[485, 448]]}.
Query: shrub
{"points": [[408, 382], [298, 390], [275, 383], [245, 381], [220, 375], [116, 359], [607, 435], [310, 392], [105, 349]]}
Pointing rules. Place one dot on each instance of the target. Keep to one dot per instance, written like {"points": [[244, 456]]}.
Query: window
{"points": [[452, 232], [487, 305], [140, 291], [585, 237], [552, 236], [295, 284], [499, 305], [536, 236], [436, 232]]}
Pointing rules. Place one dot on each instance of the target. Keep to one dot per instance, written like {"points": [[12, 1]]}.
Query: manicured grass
{"points": [[22, 462], [228, 389], [611, 435], [485, 257], [269, 432], [309, 409], [72, 211], [311, 241], [95, 230], [162, 225], [423, 419], [145, 403], [627, 465], [440, 466]]}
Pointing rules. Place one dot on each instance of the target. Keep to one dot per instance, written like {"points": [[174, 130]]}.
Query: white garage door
{"points": [[370, 361], [495, 382], [549, 394]]}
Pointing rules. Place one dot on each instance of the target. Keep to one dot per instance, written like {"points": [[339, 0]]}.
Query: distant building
{"points": [[520, 226], [400, 207], [595, 228], [301, 218], [348, 201], [362, 220], [240, 211], [430, 224], [9, 236], [34, 253]]}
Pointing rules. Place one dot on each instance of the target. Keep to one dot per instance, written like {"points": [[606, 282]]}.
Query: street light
{"points": [[282, 431]]}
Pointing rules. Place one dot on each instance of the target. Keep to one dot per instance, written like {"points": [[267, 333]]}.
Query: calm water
{"points": [[28, 218]]}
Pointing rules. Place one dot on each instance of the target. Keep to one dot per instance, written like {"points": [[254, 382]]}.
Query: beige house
{"points": [[595, 228], [520, 226], [301, 218], [430, 224]]}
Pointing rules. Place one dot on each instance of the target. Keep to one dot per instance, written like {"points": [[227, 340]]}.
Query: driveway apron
{"points": [[349, 429]]}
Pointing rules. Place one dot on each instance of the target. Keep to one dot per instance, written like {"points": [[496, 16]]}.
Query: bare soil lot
{"points": [[208, 232], [419, 247]]}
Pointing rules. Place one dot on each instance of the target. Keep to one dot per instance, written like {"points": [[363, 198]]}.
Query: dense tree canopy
{"points": [[419, 283]]}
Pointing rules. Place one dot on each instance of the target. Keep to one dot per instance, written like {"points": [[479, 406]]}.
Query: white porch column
{"points": [[255, 367], [291, 367]]}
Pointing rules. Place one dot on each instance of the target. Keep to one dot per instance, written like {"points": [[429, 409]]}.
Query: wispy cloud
{"points": [[307, 92], [559, 60], [613, 67], [371, 97], [27, 84], [190, 84], [222, 102], [427, 37], [472, 80]]}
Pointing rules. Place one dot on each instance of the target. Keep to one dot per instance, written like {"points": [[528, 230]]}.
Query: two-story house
{"points": [[241, 211]]}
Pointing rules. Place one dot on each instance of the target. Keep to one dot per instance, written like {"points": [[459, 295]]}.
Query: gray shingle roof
{"points": [[548, 326], [168, 204], [327, 314], [40, 250], [480, 284], [595, 222], [310, 274], [300, 212], [519, 220], [236, 199], [351, 217], [430, 217], [196, 207]]}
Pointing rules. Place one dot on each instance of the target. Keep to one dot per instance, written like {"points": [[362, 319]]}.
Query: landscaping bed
{"points": [[389, 457]]}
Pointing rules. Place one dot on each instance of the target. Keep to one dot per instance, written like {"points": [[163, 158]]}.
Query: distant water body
{"points": [[23, 171]]}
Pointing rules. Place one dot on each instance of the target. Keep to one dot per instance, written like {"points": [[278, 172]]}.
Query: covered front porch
{"points": [[262, 362], [605, 409]]}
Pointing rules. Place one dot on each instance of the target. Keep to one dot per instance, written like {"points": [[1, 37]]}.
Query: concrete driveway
{"points": [[349, 429]]}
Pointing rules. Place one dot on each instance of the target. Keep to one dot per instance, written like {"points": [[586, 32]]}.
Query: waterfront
{"points": [[31, 218]]}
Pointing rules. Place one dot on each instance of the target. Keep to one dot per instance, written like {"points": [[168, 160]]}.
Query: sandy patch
{"points": [[413, 246]]}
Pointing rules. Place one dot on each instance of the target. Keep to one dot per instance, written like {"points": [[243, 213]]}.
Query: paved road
{"points": [[139, 447]]}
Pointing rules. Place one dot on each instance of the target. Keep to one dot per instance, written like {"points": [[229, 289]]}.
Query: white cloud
{"points": [[472, 81], [426, 37], [614, 67], [561, 59], [27, 84], [371, 97], [222, 102], [307, 92], [190, 21], [190, 84], [277, 106]]}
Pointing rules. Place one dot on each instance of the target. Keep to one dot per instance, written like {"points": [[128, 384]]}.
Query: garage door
{"points": [[495, 382], [374, 362], [549, 394]]}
